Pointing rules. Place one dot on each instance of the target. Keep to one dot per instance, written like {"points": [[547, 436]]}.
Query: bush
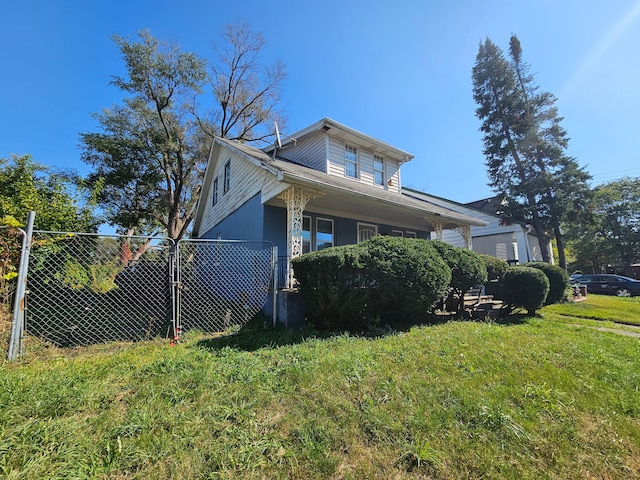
{"points": [[407, 277], [495, 266], [331, 285], [524, 287], [467, 270], [386, 279], [558, 281]]}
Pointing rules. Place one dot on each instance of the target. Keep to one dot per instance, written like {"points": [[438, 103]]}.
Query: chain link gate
{"points": [[223, 283], [86, 289]]}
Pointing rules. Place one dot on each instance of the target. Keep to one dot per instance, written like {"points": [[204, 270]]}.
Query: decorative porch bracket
{"points": [[465, 231], [437, 226], [296, 199]]}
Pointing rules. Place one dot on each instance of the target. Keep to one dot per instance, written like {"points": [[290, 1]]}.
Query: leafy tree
{"points": [[152, 149], [611, 233], [27, 185], [24, 186], [525, 144]]}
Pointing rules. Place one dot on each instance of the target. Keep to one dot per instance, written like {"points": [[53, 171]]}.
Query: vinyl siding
{"points": [[246, 181], [310, 152], [365, 165]]}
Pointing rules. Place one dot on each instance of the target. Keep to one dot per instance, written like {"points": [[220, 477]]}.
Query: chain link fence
{"points": [[85, 289], [223, 283]]}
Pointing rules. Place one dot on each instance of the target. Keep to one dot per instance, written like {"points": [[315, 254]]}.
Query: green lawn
{"points": [[601, 307], [530, 399]]}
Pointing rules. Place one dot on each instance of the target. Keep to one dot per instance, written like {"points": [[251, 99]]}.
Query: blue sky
{"points": [[397, 70]]}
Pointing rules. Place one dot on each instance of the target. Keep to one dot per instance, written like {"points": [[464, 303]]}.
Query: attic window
{"points": [[350, 161], [214, 194], [227, 176]]}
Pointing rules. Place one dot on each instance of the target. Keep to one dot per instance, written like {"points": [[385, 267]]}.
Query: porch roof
{"points": [[352, 199]]}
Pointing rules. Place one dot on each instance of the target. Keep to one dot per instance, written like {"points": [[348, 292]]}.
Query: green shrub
{"points": [[495, 266], [388, 280], [467, 270], [524, 287], [331, 285], [558, 281], [407, 277]]}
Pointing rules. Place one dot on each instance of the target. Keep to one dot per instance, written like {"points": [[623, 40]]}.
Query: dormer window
{"points": [[350, 161], [378, 170]]}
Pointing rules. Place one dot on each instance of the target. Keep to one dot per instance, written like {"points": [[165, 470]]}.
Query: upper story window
{"points": [[350, 161], [214, 194], [378, 170], [227, 176]]}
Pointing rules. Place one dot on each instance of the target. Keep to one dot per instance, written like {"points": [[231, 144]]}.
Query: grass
{"points": [[602, 308], [528, 399]]}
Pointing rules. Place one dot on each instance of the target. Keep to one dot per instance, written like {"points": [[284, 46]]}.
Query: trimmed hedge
{"points": [[467, 270], [389, 280], [558, 281], [524, 287], [495, 266]]}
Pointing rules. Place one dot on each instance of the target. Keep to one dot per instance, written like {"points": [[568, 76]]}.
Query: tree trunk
{"points": [[562, 260]]}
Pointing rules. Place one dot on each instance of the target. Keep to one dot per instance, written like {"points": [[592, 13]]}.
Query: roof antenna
{"points": [[278, 143]]}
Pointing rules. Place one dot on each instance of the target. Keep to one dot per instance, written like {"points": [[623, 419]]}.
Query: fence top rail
{"points": [[111, 235], [215, 240]]}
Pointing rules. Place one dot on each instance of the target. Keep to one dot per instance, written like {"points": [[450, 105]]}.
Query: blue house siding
{"points": [[275, 227], [246, 223]]}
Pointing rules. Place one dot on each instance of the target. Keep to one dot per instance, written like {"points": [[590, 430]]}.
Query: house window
{"points": [[366, 231], [397, 233], [350, 161], [410, 234], [306, 234], [324, 233], [227, 176], [214, 194], [378, 170]]}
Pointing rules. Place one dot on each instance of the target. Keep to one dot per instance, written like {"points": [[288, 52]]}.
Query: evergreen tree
{"points": [[525, 145]]}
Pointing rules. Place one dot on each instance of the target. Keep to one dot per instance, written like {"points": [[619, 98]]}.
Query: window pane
{"points": [[324, 234], [306, 234], [378, 178]]}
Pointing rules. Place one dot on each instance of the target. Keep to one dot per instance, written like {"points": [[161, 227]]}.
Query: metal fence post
{"points": [[275, 285], [17, 327]]}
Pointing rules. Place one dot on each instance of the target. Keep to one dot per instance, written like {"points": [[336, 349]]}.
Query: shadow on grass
{"points": [[255, 335]]}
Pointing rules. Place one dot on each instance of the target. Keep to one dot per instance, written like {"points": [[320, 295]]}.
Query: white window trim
{"points": [[214, 193], [357, 162], [368, 226], [397, 233], [383, 170], [333, 232], [409, 234], [311, 244], [226, 177]]}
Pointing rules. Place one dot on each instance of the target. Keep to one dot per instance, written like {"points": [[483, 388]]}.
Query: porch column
{"points": [[465, 231], [296, 199]]}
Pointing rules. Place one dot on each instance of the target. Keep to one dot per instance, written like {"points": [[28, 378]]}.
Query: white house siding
{"points": [[310, 152], [246, 180], [365, 165]]}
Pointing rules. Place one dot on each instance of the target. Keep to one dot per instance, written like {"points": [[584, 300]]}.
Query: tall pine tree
{"points": [[525, 145]]}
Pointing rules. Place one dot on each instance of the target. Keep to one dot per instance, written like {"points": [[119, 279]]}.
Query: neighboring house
{"points": [[514, 242], [325, 185]]}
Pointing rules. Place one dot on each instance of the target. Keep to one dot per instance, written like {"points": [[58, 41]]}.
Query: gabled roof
{"points": [[344, 188], [348, 134]]}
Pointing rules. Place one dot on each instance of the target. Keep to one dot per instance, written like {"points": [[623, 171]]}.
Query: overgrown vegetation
{"points": [[530, 399]]}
